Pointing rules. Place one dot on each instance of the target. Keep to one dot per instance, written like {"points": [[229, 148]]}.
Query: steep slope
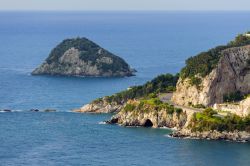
{"points": [[231, 74]]}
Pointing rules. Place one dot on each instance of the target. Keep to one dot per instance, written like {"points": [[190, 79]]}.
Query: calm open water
{"points": [[151, 42]]}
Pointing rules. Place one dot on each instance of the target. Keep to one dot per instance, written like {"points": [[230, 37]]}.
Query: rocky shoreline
{"points": [[210, 97], [235, 136], [100, 106], [31, 110]]}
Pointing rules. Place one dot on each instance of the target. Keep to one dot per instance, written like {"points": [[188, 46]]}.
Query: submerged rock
{"points": [[34, 110], [49, 110], [6, 110], [113, 120], [82, 57]]}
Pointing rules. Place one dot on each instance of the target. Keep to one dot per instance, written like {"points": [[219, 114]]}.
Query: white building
{"points": [[248, 34]]}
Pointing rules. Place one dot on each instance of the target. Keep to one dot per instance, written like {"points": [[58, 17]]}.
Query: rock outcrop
{"points": [[82, 57], [241, 108], [205, 81], [238, 136], [147, 115], [231, 74], [100, 106]]}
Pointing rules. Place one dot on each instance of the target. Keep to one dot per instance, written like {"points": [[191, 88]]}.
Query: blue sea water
{"points": [[151, 42]]}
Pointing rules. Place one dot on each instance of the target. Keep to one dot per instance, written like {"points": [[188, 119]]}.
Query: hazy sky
{"points": [[124, 4]]}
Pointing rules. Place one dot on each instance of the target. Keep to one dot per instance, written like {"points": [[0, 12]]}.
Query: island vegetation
{"points": [[210, 120], [148, 104], [165, 83]]}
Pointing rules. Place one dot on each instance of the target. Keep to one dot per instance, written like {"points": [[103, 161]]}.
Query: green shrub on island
{"points": [[162, 84], [195, 81], [199, 106], [210, 120], [203, 63]]}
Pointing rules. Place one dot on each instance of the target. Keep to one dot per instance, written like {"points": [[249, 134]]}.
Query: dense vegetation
{"points": [[233, 97], [151, 104], [210, 120], [161, 84], [89, 51], [205, 62]]}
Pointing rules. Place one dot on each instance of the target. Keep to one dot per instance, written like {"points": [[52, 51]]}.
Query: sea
{"points": [[151, 42]]}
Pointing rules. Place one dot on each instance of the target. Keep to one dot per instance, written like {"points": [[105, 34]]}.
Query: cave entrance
{"points": [[148, 123]]}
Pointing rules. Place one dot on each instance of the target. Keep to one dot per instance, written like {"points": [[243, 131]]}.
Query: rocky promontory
{"points": [[100, 106], [210, 97], [82, 57], [150, 113], [238, 136]]}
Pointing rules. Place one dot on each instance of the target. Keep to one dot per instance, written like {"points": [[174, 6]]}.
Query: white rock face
{"points": [[241, 108], [70, 64], [231, 74], [100, 107], [158, 118]]}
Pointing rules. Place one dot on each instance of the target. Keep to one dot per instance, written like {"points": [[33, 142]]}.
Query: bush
{"points": [[178, 110], [209, 112], [206, 121], [233, 97], [199, 106], [195, 81], [129, 107]]}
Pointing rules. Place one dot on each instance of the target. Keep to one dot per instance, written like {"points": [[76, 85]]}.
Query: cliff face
{"points": [[82, 57], [231, 74], [184, 121], [148, 115], [241, 108]]}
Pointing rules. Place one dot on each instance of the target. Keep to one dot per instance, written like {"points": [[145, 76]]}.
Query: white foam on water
{"points": [[102, 123]]}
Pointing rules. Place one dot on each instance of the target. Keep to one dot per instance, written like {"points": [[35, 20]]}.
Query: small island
{"points": [[208, 99], [82, 57]]}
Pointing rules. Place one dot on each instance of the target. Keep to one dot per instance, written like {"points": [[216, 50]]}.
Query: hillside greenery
{"points": [[203, 63], [151, 104], [233, 97], [210, 120], [89, 51], [162, 84]]}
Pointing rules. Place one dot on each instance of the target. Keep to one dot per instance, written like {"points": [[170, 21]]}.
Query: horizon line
{"points": [[132, 10]]}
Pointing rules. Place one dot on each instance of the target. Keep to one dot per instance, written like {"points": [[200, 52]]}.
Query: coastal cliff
{"points": [[232, 74], [185, 123], [150, 113], [219, 77], [82, 57]]}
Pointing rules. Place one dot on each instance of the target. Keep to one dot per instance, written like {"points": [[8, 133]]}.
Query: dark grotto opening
{"points": [[148, 123]]}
